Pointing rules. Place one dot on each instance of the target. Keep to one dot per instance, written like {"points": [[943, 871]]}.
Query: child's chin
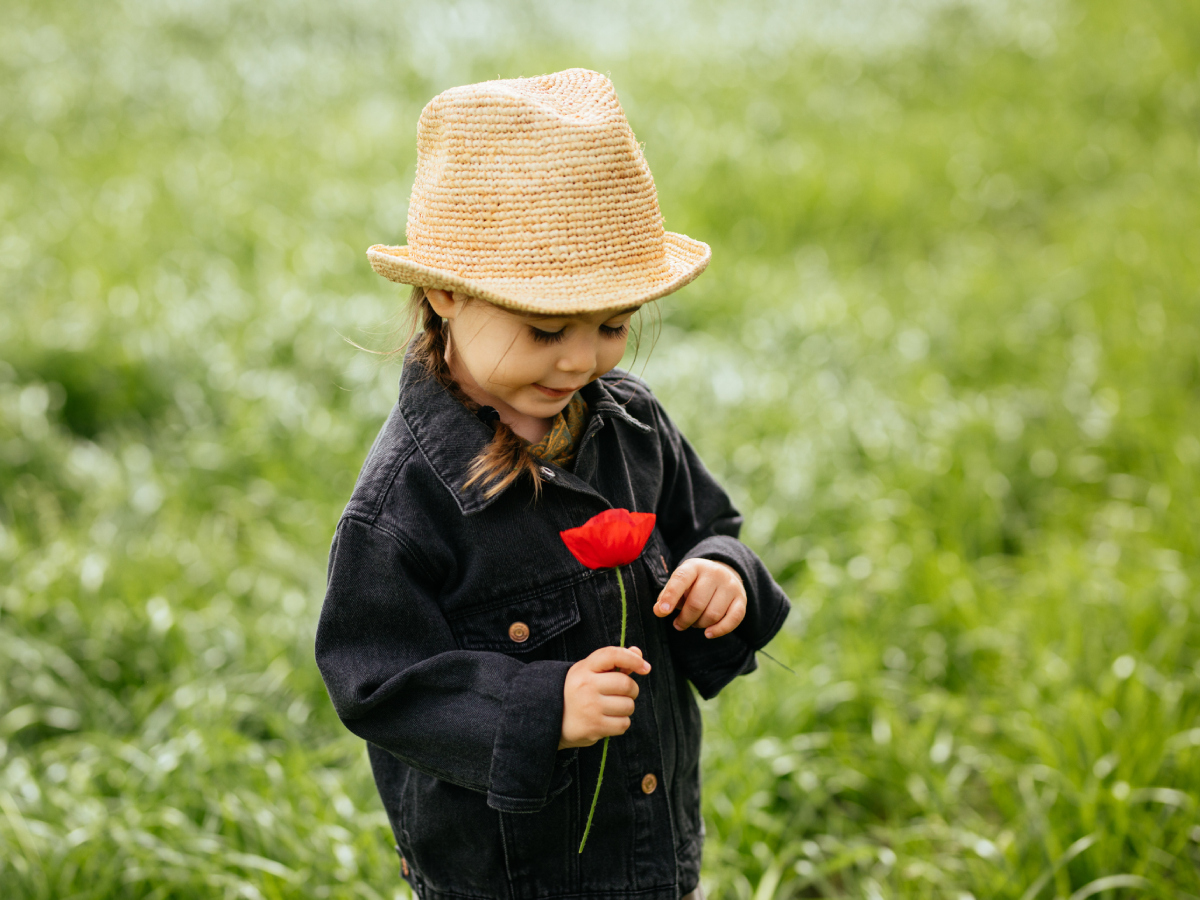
{"points": [[549, 409], [542, 401]]}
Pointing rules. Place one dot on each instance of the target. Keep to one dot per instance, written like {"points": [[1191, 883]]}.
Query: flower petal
{"points": [[614, 537]]}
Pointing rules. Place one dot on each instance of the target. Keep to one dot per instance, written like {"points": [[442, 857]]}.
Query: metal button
{"points": [[404, 866], [547, 471], [649, 783], [518, 632]]}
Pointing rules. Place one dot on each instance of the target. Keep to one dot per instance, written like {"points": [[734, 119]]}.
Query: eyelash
{"points": [[547, 337], [553, 337], [619, 331]]}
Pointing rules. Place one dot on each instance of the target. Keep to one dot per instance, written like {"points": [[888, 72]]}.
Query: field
{"points": [[946, 358]]}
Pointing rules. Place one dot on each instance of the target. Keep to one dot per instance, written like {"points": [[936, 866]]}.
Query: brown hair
{"points": [[506, 456]]}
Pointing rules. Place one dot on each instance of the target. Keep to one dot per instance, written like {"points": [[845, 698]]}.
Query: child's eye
{"points": [[547, 337], [617, 332]]}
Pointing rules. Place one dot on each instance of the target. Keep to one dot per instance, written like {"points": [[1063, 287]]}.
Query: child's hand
{"points": [[715, 597], [598, 695]]}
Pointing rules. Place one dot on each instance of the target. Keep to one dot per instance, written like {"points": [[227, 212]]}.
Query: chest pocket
{"points": [[519, 624]]}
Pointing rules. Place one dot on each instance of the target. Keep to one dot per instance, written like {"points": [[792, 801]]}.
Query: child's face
{"points": [[525, 364]]}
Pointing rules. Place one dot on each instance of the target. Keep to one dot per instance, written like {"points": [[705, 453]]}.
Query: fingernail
{"points": [[663, 607], [678, 627], [707, 633]]}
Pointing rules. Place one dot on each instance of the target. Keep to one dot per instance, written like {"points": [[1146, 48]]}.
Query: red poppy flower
{"points": [[612, 538], [608, 540]]}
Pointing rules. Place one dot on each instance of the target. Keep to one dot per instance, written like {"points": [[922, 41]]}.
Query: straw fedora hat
{"points": [[532, 193]]}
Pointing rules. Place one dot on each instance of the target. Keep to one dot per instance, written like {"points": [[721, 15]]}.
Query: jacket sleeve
{"points": [[697, 519], [483, 721]]}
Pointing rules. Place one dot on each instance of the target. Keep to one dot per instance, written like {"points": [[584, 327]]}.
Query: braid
{"points": [[506, 456]]}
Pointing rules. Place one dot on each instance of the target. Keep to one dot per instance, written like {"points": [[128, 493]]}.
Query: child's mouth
{"points": [[555, 393]]}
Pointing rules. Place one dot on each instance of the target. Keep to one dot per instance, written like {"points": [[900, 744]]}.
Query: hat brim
{"points": [[567, 294]]}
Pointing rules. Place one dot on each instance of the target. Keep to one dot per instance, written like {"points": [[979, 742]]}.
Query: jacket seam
{"points": [[531, 804], [402, 542], [435, 773], [382, 494]]}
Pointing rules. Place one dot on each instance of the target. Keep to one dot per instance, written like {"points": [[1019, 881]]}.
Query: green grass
{"points": [[951, 332]]}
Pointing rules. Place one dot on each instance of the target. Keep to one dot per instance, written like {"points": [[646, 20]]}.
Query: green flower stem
{"points": [[604, 752], [621, 585], [595, 796]]}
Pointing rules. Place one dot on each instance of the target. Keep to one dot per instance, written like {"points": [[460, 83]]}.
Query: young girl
{"points": [[459, 636]]}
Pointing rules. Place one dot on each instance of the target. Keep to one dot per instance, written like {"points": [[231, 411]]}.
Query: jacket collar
{"points": [[450, 436]]}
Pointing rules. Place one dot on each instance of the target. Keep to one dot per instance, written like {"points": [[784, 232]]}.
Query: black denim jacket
{"points": [[462, 712]]}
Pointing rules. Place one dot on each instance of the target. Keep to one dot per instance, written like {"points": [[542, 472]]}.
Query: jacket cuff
{"points": [[713, 663], [527, 767]]}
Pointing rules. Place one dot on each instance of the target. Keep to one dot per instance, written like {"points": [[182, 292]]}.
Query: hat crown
{"points": [[533, 194], [522, 176], [579, 94]]}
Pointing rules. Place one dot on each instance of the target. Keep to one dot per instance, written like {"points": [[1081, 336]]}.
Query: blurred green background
{"points": [[945, 357]]}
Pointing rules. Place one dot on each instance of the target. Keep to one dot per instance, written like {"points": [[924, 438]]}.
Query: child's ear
{"points": [[443, 303]]}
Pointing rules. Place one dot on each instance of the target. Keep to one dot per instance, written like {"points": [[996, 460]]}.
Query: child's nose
{"points": [[578, 355]]}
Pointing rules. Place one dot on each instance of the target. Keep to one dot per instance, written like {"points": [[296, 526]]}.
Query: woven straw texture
{"points": [[533, 194]]}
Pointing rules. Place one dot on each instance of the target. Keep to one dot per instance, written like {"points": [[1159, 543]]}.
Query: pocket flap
{"points": [[521, 624]]}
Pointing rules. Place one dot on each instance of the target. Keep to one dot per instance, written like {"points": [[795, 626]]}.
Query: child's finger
{"points": [[614, 684], [677, 585], [617, 705], [611, 726], [716, 609], [731, 620], [629, 670], [608, 658], [698, 599]]}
